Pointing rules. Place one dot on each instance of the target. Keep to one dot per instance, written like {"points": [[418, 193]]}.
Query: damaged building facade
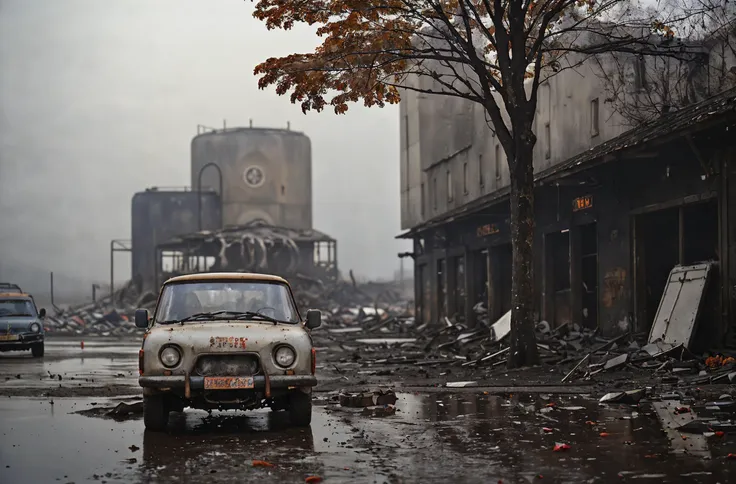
{"points": [[617, 207], [249, 208]]}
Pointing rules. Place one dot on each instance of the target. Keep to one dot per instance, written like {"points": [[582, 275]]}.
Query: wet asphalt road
{"points": [[433, 437]]}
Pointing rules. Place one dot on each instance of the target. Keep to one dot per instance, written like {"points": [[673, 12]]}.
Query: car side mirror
{"points": [[314, 318], [141, 318], [42, 313]]}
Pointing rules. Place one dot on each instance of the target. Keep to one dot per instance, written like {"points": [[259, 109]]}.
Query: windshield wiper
{"points": [[253, 314], [192, 317], [17, 314], [237, 315]]}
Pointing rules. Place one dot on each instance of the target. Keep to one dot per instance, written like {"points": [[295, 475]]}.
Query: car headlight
{"points": [[170, 356], [35, 328], [284, 356]]}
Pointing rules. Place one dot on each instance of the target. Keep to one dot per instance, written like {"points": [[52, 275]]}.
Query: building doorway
{"points": [[424, 290], [680, 235], [479, 289], [501, 265], [589, 275], [459, 296], [441, 290], [558, 302]]}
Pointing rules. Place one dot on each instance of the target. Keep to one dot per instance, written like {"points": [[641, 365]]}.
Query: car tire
{"points": [[300, 409], [37, 350], [155, 413]]}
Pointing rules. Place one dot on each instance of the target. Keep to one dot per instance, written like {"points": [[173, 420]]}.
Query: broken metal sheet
{"points": [[680, 304], [616, 361], [672, 422], [657, 348], [344, 330], [501, 328], [461, 384], [631, 397], [386, 341]]}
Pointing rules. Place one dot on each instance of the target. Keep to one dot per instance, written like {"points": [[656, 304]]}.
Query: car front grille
{"points": [[227, 365]]}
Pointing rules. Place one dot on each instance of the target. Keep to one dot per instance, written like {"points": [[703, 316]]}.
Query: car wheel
{"points": [[155, 413], [37, 350], [300, 408]]}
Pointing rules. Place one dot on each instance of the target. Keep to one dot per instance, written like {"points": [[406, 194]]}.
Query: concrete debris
{"points": [[105, 317], [384, 411], [367, 399]]}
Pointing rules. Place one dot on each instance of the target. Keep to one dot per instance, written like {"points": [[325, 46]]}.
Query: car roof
{"points": [[14, 295], [226, 276]]}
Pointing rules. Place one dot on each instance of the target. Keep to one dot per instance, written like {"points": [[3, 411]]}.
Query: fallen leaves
{"points": [[718, 361], [561, 447], [262, 463], [313, 479]]}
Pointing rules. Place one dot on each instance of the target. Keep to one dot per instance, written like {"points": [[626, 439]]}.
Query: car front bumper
{"points": [[260, 382], [23, 342]]}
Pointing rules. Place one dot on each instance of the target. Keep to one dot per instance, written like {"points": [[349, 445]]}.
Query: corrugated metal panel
{"points": [[680, 304]]}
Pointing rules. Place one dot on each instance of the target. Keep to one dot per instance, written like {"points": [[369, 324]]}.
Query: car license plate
{"points": [[9, 337], [228, 382]]}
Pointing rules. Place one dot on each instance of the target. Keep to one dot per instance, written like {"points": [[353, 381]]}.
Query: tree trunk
{"points": [[523, 351]]}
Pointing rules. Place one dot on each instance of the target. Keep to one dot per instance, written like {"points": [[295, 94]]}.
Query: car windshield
{"points": [[226, 300], [17, 308]]}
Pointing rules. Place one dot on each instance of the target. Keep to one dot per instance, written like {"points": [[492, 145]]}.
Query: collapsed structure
{"points": [[249, 208], [252, 247]]}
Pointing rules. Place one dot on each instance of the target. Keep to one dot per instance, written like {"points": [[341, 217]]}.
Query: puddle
{"points": [[430, 438]]}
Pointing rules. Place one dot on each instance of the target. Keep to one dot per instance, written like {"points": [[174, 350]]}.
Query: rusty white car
{"points": [[219, 341]]}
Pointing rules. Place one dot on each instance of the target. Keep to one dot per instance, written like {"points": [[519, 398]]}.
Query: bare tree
{"points": [[491, 52], [642, 88]]}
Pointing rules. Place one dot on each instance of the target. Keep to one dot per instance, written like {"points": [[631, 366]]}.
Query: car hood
{"points": [[17, 323]]}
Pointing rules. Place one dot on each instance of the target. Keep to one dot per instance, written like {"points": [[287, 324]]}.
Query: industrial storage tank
{"points": [[158, 215], [266, 174]]}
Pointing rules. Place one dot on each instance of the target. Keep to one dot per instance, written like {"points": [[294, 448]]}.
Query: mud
{"points": [[100, 368]]}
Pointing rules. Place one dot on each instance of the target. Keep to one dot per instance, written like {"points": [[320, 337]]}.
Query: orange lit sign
{"points": [[582, 203], [488, 229]]}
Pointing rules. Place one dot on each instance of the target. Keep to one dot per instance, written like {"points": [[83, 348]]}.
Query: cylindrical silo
{"points": [[266, 174]]}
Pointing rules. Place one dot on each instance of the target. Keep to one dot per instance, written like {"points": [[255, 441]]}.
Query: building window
{"points": [[547, 142], [498, 162], [406, 141], [434, 192], [449, 186], [480, 170], [465, 178], [640, 72], [421, 201], [594, 118]]}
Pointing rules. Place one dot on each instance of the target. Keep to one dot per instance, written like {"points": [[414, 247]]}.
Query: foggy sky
{"points": [[100, 99]]}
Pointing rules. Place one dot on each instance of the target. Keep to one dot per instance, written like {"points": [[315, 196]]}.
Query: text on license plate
{"points": [[228, 382], [9, 337]]}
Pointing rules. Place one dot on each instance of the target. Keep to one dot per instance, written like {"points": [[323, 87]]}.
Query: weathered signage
{"points": [[582, 203], [486, 230]]}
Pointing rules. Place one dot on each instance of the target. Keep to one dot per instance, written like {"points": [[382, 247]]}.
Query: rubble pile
{"points": [[383, 334], [105, 317]]}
